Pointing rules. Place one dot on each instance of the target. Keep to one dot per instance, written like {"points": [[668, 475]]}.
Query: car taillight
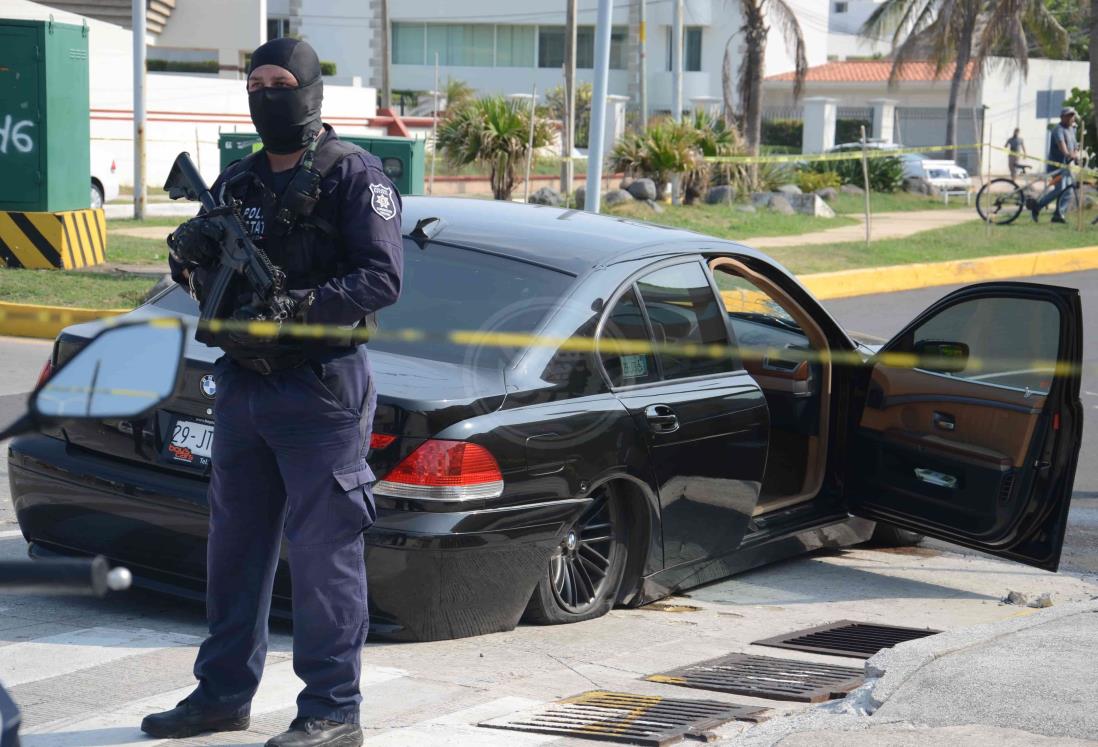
{"points": [[113, 166], [380, 440], [47, 371], [444, 471]]}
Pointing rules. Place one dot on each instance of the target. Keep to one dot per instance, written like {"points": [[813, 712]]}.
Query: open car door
{"points": [[970, 423]]}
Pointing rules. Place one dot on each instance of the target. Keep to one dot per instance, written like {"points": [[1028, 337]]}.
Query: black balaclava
{"points": [[287, 119]]}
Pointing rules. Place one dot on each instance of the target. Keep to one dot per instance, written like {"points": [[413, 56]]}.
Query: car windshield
{"points": [[450, 289]]}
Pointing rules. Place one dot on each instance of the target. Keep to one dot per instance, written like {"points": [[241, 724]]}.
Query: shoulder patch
{"points": [[381, 200]]}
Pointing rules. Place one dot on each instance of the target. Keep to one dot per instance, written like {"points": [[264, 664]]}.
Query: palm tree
{"points": [[753, 66], [491, 132], [964, 34]]}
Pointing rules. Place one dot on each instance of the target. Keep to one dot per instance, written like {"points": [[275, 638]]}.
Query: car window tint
{"points": [[1012, 342], [683, 310], [447, 289], [624, 325]]}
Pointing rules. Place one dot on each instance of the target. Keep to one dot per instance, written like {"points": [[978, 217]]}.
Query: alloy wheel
{"points": [[580, 566]]}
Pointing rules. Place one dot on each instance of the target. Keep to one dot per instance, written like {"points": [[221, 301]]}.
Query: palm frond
{"points": [[790, 29]]}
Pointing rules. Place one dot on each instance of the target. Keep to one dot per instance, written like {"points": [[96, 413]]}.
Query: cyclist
{"points": [[1062, 149], [1015, 144]]}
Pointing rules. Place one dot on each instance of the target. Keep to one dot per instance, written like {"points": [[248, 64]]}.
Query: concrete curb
{"points": [[28, 320], [888, 670], [872, 280]]}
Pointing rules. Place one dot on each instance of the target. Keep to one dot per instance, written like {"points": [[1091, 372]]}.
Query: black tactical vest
{"points": [[296, 229]]}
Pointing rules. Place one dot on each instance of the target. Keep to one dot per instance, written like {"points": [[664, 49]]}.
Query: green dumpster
{"points": [[402, 157], [44, 119]]}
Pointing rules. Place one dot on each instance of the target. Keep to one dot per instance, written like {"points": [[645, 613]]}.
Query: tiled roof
{"points": [[872, 71]]}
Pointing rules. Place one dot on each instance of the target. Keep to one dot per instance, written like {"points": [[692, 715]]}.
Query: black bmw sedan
{"points": [[664, 409]]}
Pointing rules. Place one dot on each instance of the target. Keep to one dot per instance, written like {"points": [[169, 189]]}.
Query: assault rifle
{"points": [[239, 254]]}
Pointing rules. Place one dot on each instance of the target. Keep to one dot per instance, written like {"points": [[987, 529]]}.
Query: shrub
{"points": [[327, 68], [886, 173], [491, 132], [181, 66], [554, 99], [850, 130], [810, 181], [788, 133]]}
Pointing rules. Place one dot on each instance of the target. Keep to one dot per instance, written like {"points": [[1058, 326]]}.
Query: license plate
{"points": [[191, 442]]}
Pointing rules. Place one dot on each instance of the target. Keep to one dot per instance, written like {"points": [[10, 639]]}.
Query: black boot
{"points": [[1058, 218], [186, 720], [318, 732]]}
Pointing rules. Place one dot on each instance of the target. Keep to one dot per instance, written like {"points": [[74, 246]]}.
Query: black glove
{"points": [[196, 241], [282, 308]]}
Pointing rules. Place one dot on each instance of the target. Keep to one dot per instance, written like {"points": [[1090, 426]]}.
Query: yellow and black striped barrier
{"points": [[63, 240]]}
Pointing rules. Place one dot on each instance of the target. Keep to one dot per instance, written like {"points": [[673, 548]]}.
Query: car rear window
{"points": [[450, 289]]}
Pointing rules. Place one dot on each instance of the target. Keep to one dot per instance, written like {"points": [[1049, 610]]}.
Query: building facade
{"points": [[498, 47]]}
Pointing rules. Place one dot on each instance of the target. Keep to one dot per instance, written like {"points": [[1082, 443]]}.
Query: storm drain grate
{"points": [[766, 677], [626, 717], [847, 638]]}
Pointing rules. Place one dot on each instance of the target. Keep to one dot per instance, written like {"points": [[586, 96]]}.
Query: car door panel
{"points": [[704, 420], [983, 456], [709, 471]]}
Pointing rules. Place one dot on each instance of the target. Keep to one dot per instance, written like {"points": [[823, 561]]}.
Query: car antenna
{"points": [[425, 230]]}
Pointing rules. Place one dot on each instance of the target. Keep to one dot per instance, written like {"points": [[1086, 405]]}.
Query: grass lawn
{"points": [[93, 290], [881, 202], [132, 250], [964, 241], [726, 222]]}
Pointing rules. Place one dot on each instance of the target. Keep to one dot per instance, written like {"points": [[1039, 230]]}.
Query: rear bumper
{"points": [[432, 576]]}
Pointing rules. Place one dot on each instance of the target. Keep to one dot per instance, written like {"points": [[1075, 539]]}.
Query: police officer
{"points": [[292, 418]]}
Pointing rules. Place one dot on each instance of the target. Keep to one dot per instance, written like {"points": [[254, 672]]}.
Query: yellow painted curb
{"points": [[27, 320], [874, 280]]}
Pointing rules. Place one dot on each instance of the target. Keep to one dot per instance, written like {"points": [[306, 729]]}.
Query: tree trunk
{"points": [[964, 56], [752, 114], [728, 88], [752, 111], [1094, 57]]}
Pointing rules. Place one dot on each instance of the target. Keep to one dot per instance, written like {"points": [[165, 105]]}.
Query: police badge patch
{"points": [[382, 201]]}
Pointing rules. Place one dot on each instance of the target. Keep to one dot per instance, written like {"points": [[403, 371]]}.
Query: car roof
{"points": [[570, 240]]}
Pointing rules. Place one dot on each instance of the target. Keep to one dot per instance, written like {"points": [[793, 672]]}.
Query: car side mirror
{"points": [[941, 356], [123, 373]]}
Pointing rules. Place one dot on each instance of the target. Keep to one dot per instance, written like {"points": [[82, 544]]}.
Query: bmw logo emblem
{"points": [[208, 386]]}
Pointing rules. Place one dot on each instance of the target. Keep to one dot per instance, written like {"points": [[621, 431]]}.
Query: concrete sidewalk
{"points": [[895, 225], [1026, 680]]}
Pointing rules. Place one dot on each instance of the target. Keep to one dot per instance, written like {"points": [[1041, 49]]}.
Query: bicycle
{"points": [[1003, 199]]}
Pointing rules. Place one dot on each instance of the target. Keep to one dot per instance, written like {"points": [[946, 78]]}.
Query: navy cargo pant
{"points": [[289, 456]]}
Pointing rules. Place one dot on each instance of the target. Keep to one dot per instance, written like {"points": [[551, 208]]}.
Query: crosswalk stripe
{"points": [[121, 726], [8, 533], [64, 653], [460, 727]]}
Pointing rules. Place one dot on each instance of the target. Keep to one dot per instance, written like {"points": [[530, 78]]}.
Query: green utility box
{"points": [[45, 131], [402, 157]]}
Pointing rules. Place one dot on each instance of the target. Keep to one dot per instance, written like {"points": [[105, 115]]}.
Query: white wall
{"points": [[340, 32], [840, 46], [720, 19], [188, 112], [856, 14], [232, 27], [1012, 102]]}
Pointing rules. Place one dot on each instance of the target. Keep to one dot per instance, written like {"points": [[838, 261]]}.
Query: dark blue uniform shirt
{"points": [[363, 207]]}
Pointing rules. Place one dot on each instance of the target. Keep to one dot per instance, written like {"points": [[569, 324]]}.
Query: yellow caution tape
{"points": [[478, 338], [848, 155]]}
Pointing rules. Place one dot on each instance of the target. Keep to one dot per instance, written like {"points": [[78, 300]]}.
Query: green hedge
{"points": [[181, 66]]}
